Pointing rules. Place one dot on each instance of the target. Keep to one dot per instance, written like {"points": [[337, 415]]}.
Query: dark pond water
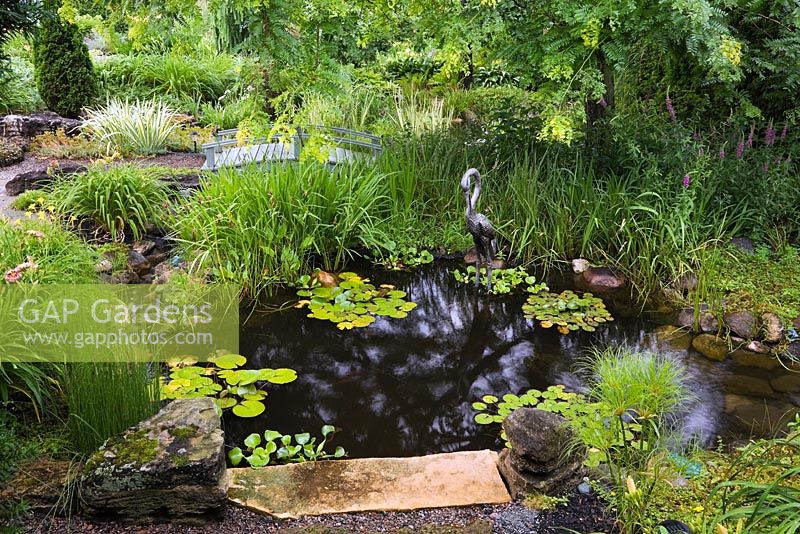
{"points": [[404, 387]]}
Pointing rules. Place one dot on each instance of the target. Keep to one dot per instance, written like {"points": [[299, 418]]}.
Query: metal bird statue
{"points": [[479, 226]]}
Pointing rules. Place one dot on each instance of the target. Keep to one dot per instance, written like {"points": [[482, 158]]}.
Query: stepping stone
{"points": [[370, 484]]}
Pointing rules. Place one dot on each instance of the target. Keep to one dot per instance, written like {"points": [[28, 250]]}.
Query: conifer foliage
{"points": [[65, 76]]}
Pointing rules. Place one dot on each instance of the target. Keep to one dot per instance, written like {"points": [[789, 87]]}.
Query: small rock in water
{"points": [[757, 347], [600, 278], [710, 346], [709, 323]]}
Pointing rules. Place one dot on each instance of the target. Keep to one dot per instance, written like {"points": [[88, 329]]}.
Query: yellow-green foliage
{"points": [[760, 282]]}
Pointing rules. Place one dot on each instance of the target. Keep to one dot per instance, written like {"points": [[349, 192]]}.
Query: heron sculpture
{"points": [[479, 226]]}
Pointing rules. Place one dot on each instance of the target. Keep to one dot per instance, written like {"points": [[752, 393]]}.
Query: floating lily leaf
{"points": [[355, 303], [282, 375], [227, 402], [249, 408], [567, 310], [229, 361]]}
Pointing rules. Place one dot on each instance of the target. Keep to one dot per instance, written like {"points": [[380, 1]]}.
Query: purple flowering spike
{"points": [[740, 149], [670, 108], [721, 153], [686, 181], [785, 130], [749, 141], [769, 135]]}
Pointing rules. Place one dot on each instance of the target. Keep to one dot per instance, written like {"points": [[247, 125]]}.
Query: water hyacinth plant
{"points": [[139, 127]]}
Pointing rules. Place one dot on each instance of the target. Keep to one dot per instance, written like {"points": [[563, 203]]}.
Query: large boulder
{"points": [[741, 323], [541, 458], [170, 467], [710, 346], [36, 124], [39, 178]]}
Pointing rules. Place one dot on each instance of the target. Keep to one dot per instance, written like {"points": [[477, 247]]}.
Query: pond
{"points": [[404, 387]]}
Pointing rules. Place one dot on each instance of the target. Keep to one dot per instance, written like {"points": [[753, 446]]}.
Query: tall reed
{"points": [[260, 226], [106, 398]]}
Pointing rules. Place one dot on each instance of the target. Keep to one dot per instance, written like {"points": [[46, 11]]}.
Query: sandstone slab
{"points": [[370, 484], [603, 278]]}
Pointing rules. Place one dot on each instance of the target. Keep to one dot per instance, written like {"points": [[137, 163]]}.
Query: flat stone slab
{"points": [[370, 484]]}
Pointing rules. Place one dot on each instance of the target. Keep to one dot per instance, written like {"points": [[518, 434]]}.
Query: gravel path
{"points": [[582, 514]]}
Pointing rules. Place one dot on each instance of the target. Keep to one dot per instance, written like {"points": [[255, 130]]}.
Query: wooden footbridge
{"points": [[342, 145]]}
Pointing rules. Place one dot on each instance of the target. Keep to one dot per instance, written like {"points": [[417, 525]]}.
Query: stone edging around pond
{"points": [[752, 340], [171, 467]]}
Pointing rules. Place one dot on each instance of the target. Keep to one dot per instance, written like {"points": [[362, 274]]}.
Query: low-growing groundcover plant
{"points": [[122, 199], [57, 255]]}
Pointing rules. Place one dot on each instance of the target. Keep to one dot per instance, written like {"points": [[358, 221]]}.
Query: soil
{"points": [[583, 514]]}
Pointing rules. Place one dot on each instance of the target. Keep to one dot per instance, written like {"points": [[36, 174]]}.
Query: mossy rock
{"points": [[170, 467]]}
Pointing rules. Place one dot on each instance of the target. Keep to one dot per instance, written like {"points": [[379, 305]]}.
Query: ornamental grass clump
{"points": [[140, 127], [122, 199]]}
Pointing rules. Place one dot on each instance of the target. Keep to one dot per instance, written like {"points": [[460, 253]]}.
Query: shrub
{"points": [[60, 145], [18, 90], [122, 199], [142, 127], [64, 73]]}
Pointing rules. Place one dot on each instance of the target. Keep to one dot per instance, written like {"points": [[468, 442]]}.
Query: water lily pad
{"points": [[249, 408], [229, 361]]}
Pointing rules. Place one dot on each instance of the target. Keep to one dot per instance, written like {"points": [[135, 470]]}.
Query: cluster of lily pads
{"points": [[503, 280], [305, 448], [221, 378], [567, 311], [354, 302]]}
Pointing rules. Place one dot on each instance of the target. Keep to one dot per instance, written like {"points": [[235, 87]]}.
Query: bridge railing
{"points": [[340, 137]]}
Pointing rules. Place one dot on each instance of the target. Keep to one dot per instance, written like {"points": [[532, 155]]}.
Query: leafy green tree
{"points": [[15, 16], [65, 76]]}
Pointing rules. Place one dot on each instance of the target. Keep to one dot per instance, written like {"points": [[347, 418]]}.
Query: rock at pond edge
{"points": [[170, 467], [710, 346]]}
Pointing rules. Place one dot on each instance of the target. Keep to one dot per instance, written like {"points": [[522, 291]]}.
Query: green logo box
{"points": [[117, 323]]}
